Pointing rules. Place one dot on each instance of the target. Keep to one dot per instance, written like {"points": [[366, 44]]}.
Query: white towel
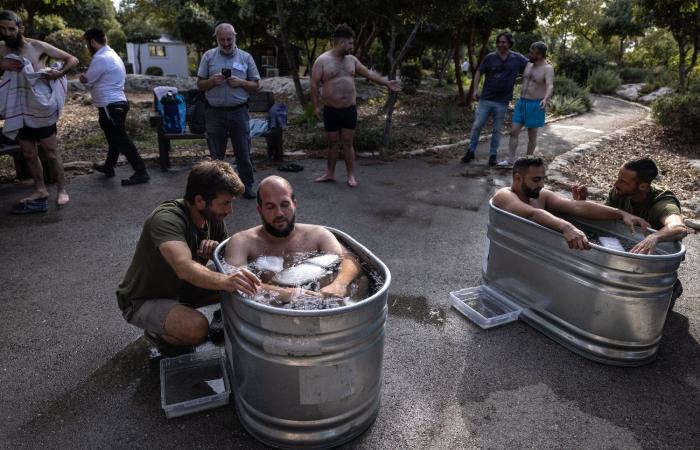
{"points": [[26, 99]]}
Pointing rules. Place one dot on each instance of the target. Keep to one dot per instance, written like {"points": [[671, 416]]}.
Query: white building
{"points": [[167, 53]]}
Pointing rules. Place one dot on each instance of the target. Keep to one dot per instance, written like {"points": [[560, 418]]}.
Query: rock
{"points": [[87, 100], [148, 82], [78, 165], [76, 85], [694, 163], [283, 85], [661, 92], [629, 91]]}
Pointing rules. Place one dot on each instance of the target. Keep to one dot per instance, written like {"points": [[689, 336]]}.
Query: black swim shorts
{"points": [[336, 118], [34, 134]]}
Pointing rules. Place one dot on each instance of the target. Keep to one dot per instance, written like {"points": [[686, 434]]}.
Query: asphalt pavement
{"points": [[75, 375]]}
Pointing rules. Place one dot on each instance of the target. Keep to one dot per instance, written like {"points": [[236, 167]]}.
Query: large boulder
{"points": [[661, 92], [283, 85], [629, 91], [148, 82]]}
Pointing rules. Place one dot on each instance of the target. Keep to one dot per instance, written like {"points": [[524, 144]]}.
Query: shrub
{"points": [[604, 81], [633, 74], [411, 75], [681, 113], [117, 40], [566, 87], [71, 40], [562, 105], [578, 65], [45, 25], [154, 71]]}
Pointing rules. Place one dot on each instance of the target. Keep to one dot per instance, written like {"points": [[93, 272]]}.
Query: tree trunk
{"points": [[138, 58], [456, 37], [284, 34], [682, 70], [622, 51], [482, 53], [395, 62], [310, 56]]}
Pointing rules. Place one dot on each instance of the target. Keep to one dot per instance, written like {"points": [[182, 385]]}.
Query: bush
{"points": [[634, 74], [604, 81], [578, 65], [566, 87], [45, 25], [71, 40], [681, 113], [154, 71], [117, 40], [411, 76], [562, 105]]}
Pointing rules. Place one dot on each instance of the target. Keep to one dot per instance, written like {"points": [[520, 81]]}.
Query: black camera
{"points": [[226, 72]]}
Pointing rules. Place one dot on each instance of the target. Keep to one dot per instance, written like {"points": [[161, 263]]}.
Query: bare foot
{"points": [[352, 182], [37, 195], [325, 179], [62, 198]]}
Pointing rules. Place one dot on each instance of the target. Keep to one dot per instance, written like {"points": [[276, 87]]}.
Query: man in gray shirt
{"points": [[227, 74]]}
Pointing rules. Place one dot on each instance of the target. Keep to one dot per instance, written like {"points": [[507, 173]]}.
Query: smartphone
{"points": [[226, 72]]}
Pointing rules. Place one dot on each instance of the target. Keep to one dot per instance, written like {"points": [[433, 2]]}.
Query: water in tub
{"points": [[309, 272]]}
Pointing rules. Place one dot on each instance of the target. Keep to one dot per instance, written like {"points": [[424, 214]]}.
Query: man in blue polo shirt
{"points": [[227, 74], [500, 68]]}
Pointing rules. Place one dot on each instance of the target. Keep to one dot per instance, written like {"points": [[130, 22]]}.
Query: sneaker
{"points": [[30, 207], [505, 164], [249, 194], [136, 178], [216, 326], [467, 157], [166, 348], [492, 160], [107, 171]]}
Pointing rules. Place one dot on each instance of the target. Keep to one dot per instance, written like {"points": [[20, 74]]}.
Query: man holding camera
{"points": [[227, 74]]}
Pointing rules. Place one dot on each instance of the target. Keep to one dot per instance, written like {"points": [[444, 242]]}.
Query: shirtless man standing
{"points": [[280, 235], [336, 70], [29, 139], [538, 85]]}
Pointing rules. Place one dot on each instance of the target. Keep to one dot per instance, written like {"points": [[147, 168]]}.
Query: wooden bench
{"points": [[259, 102]]}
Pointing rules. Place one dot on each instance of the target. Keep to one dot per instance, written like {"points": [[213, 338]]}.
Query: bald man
{"points": [[280, 235], [228, 75]]}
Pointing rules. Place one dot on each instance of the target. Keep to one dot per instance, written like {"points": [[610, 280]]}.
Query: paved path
{"points": [[74, 375]]}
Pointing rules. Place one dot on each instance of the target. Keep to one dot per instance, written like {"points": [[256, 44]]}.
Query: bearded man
{"points": [[167, 279], [526, 197]]}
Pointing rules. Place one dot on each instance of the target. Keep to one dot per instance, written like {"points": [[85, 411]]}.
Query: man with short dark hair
{"points": [[538, 85], [167, 278], [38, 101], [280, 236], [228, 75], [526, 197], [335, 70], [501, 68], [105, 78]]}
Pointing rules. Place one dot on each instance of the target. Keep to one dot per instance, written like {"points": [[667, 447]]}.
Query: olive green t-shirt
{"points": [[149, 275], [660, 204]]}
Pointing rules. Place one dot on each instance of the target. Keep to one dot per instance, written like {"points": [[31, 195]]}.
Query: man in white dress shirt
{"points": [[105, 78]]}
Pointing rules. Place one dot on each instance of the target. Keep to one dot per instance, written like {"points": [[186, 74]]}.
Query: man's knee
{"points": [[188, 326]]}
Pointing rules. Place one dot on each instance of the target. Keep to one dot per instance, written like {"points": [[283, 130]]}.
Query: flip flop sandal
{"points": [[291, 167], [30, 207]]}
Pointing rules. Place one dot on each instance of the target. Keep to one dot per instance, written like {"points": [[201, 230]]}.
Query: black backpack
{"points": [[196, 117]]}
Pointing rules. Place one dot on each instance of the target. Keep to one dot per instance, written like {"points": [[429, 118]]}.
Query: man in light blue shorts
{"points": [[538, 85]]}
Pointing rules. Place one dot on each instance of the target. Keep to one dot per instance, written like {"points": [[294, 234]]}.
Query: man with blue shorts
{"points": [[538, 85], [500, 68]]}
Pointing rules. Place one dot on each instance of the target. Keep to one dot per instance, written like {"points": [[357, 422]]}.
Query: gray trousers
{"points": [[222, 125]]}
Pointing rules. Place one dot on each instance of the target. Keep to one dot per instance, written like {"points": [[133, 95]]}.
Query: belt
{"points": [[227, 108]]}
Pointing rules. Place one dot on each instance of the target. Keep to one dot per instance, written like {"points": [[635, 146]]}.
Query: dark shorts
{"points": [[35, 134], [336, 118]]}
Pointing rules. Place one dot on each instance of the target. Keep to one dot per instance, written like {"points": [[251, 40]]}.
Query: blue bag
{"points": [[173, 110]]}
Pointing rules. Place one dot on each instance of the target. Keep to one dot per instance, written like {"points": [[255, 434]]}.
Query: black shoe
{"points": [[165, 348], [492, 160], [468, 157], [216, 326], [108, 171], [136, 178], [249, 194]]}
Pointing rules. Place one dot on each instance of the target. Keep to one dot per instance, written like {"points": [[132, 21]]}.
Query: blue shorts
{"points": [[529, 113]]}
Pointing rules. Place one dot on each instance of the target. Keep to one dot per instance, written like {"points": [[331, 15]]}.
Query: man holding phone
{"points": [[228, 75]]}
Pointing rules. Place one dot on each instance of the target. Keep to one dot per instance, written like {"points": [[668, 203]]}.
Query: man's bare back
{"points": [[535, 80], [337, 76]]}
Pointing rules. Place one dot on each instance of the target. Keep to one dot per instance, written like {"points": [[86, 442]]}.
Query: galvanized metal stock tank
{"points": [[607, 305], [307, 379]]}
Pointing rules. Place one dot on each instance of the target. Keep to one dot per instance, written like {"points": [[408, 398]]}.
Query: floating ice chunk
{"points": [[271, 263], [326, 261], [299, 274], [611, 243]]}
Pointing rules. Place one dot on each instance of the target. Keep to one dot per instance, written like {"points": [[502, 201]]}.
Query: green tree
{"points": [[140, 32], [195, 26], [71, 40], [30, 9], [682, 19], [45, 25], [91, 14], [618, 20]]}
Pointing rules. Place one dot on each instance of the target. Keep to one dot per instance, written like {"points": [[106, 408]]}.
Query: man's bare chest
{"points": [[535, 75], [338, 69]]}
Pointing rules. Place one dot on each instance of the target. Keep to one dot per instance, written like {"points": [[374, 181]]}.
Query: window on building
{"points": [[156, 50], [267, 61]]}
